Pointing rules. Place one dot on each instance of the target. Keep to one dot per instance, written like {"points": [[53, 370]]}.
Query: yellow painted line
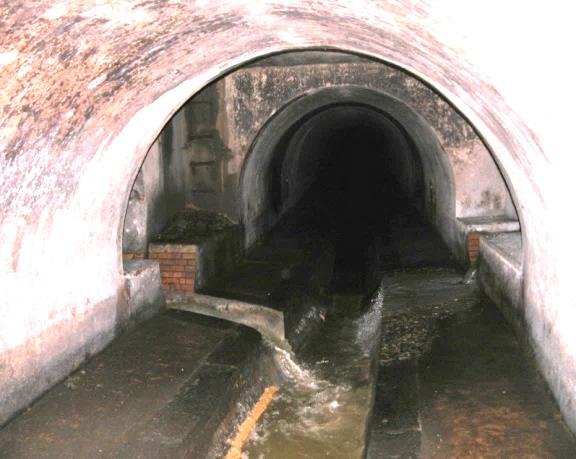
{"points": [[245, 429]]}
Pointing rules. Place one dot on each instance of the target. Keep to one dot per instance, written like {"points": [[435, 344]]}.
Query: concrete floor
{"points": [[160, 390]]}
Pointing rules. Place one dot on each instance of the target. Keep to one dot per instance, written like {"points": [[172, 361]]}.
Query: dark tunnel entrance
{"points": [[352, 175]]}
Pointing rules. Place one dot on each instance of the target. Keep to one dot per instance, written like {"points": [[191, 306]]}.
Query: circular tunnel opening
{"points": [[347, 172]]}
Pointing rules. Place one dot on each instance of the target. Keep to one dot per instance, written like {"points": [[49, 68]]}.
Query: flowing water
{"points": [[323, 408]]}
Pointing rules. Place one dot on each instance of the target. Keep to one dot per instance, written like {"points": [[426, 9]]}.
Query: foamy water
{"points": [[320, 410]]}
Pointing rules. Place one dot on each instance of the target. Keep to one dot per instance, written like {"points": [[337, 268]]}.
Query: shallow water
{"points": [[323, 407]]}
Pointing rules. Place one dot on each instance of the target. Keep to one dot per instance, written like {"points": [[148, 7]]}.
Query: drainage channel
{"points": [[323, 407], [426, 368]]}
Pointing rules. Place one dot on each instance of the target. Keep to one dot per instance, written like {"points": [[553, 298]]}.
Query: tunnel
{"points": [[254, 119], [348, 169]]}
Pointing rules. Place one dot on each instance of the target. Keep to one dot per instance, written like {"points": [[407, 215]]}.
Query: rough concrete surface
{"points": [[267, 321], [500, 273]]}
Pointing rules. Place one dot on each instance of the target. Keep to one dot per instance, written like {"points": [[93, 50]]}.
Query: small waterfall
{"points": [[368, 325], [287, 364]]}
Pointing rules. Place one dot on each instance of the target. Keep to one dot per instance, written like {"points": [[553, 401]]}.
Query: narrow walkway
{"points": [[162, 389]]}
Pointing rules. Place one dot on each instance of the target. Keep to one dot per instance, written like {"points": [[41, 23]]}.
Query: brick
{"points": [[170, 261], [166, 264], [473, 245], [188, 249]]}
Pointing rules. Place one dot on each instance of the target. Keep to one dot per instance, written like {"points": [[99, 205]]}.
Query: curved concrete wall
{"points": [[437, 173], [88, 85], [254, 94]]}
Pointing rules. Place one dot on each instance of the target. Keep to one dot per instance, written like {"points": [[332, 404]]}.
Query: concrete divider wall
{"points": [[145, 296], [309, 297], [500, 275]]}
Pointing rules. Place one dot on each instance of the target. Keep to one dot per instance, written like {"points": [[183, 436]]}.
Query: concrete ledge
{"points": [[506, 247], [490, 224], [145, 297], [173, 387], [500, 272], [267, 321]]}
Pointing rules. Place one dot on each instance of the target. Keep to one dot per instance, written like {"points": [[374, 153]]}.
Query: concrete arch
{"points": [[69, 159], [253, 180]]}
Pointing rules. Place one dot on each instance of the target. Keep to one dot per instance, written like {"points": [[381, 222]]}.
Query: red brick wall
{"points": [[177, 266], [473, 246]]}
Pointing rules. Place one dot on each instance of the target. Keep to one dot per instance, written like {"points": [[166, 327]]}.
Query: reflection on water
{"points": [[322, 409]]}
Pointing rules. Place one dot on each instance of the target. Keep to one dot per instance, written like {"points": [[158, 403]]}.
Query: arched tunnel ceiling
{"points": [[87, 85], [255, 175]]}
